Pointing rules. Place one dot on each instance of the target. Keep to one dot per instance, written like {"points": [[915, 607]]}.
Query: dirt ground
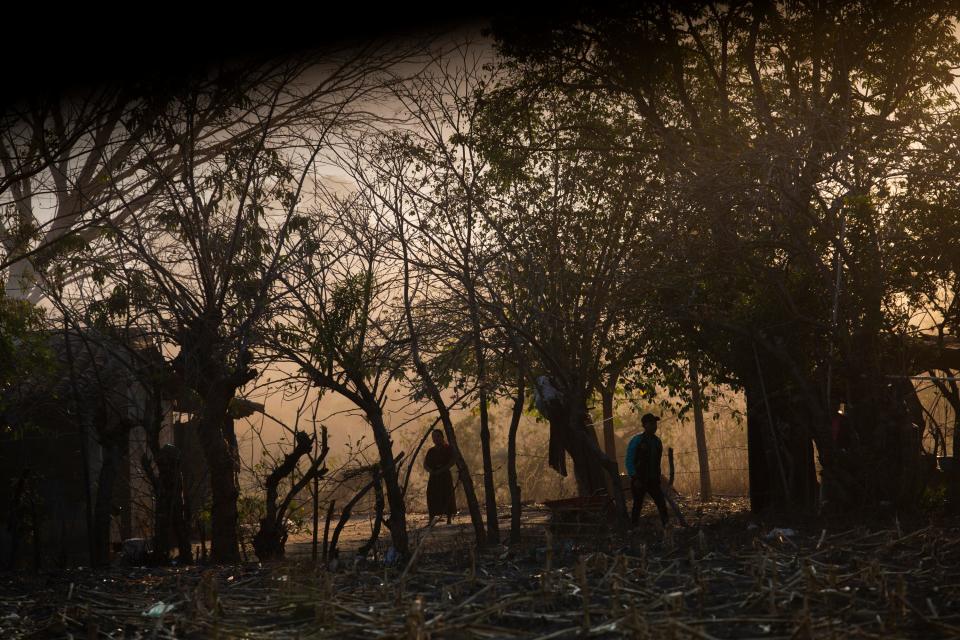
{"points": [[726, 576], [442, 536]]}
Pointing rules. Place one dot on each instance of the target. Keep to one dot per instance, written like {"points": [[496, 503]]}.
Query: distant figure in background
{"points": [[643, 466], [441, 499]]}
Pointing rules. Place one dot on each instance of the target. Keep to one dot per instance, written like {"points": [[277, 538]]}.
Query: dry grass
{"points": [[720, 579]]}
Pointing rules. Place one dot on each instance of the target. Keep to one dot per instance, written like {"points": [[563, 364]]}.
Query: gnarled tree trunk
{"points": [[398, 510], [271, 537], [571, 433]]}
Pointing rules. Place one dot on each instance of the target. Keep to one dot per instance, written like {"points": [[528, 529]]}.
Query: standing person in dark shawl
{"points": [[441, 500]]}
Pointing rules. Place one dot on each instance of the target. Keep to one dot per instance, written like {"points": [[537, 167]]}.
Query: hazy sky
{"points": [[345, 423]]}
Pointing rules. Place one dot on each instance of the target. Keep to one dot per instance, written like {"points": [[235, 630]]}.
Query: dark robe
{"points": [[441, 500]]}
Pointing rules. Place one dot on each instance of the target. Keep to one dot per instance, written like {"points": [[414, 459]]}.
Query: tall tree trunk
{"points": [[171, 513], [103, 508], [953, 477], [85, 430], [315, 498], [956, 436], [16, 517], [609, 437], [162, 511], [489, 487], [696, 395], [181, 519], [515, 498], [951, 391], [780, 450], [216, 443], [123, 492], [787, 414], [886, 439], [581, 443], [81, 413], [398, 510], [434, 393], [766, 472]]}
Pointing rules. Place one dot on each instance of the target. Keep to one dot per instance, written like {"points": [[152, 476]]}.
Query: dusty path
{"points": [[443, 536]]}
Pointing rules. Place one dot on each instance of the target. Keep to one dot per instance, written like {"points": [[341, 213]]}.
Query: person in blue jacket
{"points": [[644, 453]]}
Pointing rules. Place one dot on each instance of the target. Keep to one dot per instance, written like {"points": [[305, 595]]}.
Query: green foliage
{"points": [[250, 509], [24, 351], [779, 136], [340, 327], [579, 219], [933, 499]]}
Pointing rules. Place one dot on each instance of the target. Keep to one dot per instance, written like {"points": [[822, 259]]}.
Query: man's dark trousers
{"points": [[640, 488]]}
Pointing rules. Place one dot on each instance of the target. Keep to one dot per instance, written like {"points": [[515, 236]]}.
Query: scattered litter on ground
{"points": [[159, 609], [779, 534]]}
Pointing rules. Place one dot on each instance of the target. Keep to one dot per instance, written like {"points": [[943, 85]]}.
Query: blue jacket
{"points": [[631, 453], [654, 454]]}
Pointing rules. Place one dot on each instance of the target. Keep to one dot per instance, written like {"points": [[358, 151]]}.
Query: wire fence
{"points": [[729, 472]]}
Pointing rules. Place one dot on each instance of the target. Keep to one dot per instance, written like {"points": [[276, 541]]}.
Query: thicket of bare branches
{"points": [[757, 195]]}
